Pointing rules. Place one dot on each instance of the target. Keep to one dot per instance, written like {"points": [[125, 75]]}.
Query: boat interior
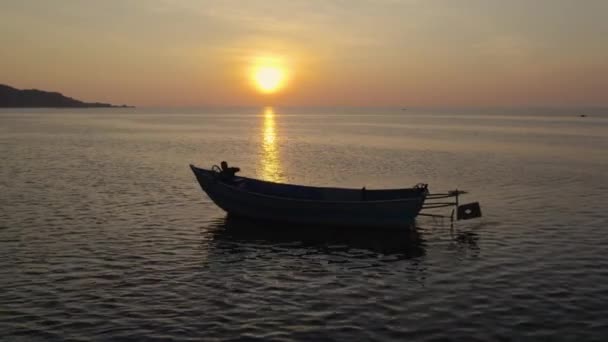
{"points": [[322, 193]]}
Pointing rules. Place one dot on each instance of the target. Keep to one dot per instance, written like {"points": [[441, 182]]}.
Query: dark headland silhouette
{"points": [[33, 98]]}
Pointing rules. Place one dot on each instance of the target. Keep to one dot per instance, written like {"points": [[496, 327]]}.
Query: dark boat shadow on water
{"points": [[403, 243]]}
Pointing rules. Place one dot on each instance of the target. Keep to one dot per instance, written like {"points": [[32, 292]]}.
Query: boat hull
{"points": [[397, 213]]}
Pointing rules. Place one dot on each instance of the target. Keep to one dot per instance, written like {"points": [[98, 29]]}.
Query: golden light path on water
{"points": [[271, 164]]}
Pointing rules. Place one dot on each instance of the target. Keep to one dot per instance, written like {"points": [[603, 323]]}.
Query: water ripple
{"points": [[104, 235]]}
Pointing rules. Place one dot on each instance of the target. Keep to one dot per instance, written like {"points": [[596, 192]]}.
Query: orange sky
{"points": [[336, 52]]}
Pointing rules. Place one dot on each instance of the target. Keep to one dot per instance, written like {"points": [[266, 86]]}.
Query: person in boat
{"points": [[227, 172]]}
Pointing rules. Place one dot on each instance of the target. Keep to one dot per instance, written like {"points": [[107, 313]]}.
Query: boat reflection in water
{"points": [[406, 243], [270, 159]]}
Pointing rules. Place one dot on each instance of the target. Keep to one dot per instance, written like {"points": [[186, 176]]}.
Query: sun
{"points": [[268, 79]]}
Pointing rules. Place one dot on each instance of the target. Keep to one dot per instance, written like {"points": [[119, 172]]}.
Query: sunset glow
{"points": [[270, 158], [380, 53], [268, 79]]}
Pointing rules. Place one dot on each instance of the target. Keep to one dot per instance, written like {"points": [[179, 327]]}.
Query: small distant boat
{"points": [[298, 204]]}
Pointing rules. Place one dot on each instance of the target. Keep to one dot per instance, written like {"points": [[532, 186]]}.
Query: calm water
{"points": [[105, 235]]}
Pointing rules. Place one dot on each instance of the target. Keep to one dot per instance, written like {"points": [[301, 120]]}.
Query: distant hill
{"points": [[16, 98]]}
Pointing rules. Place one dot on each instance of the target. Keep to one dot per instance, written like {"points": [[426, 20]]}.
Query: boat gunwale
{"points": [[420, 198]]}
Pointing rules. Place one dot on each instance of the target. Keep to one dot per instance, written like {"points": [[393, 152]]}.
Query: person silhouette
{"points": [[228, 172]]}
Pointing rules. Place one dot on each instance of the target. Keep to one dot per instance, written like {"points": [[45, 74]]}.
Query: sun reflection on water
{"points": [[271, 168]]}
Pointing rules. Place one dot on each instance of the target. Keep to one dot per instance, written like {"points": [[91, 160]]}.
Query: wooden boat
{"points": [[257, 199], [297, 204]]}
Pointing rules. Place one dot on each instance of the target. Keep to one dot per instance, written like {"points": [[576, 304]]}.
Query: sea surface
{"points": [[106, 236]]}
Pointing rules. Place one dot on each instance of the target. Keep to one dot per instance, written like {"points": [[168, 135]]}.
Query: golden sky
{"points": [[334, 52]]}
